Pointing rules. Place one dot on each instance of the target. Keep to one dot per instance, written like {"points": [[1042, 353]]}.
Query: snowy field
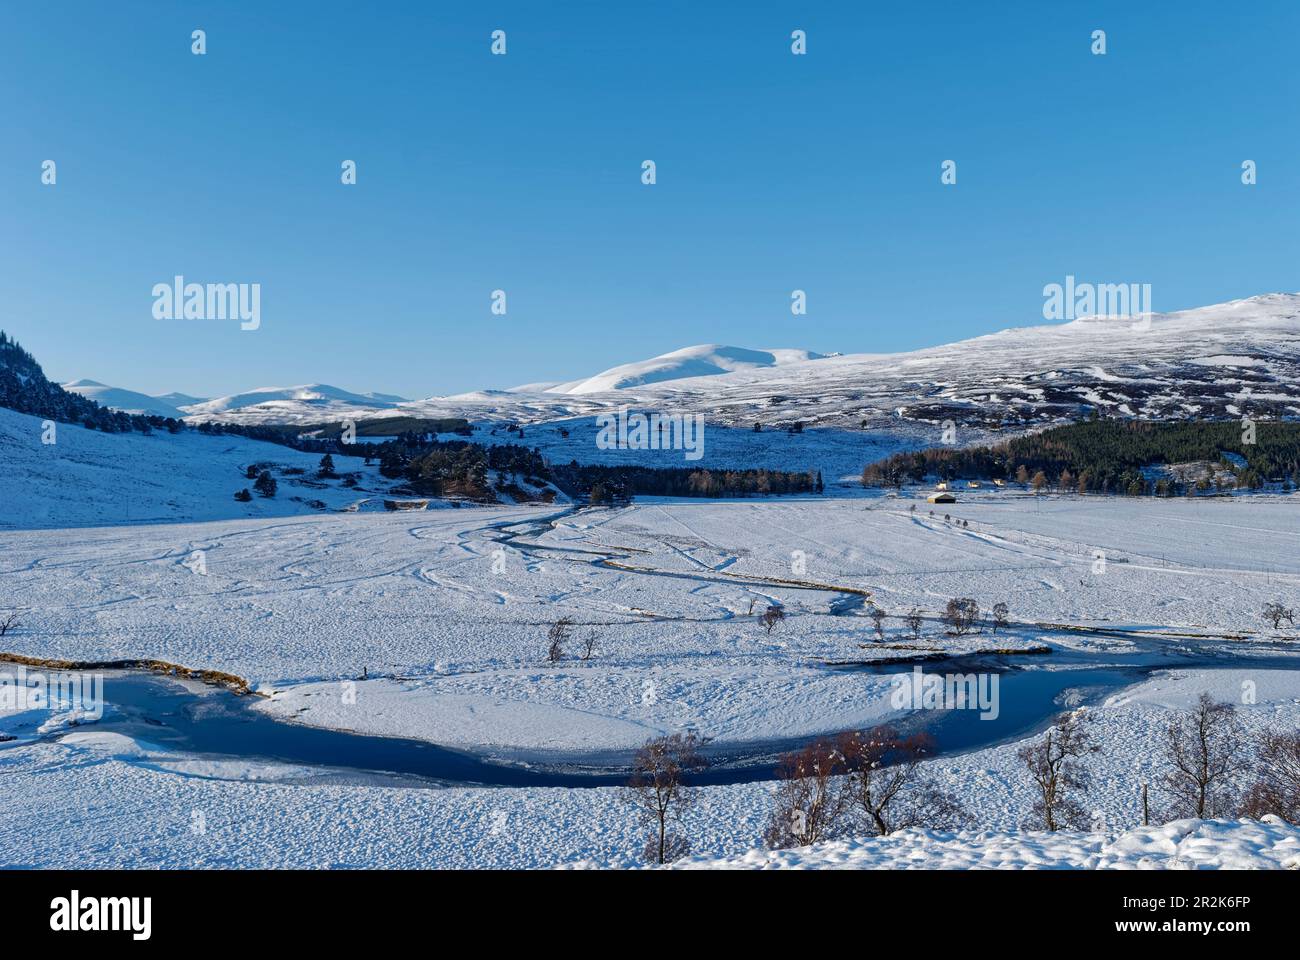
{"points": [[437, 622], [449, 621], [86, 477], [96, 800]]}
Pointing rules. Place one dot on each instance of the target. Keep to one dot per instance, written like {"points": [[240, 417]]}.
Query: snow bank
{"points": [[1269, 844]]}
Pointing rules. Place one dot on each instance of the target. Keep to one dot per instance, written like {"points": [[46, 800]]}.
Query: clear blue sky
{"points": [[522, 172]]}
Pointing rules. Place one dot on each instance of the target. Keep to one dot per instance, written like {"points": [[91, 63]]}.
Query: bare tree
{"points": [[8, 622], [588, 646], [1275, 613], [1277, 779], [558, 635], [658, 791], [811, 797], [886, 787], [1054, 765], [914, 621], [878, 617], [962, 613], [1000, 613], [1204, 749], [771, 617]]}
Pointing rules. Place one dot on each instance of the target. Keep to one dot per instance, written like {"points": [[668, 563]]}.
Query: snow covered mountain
{"points": [[703, 360], [128, 401], [1226, 360], [306, 402], [311, 402], [178, 399]]}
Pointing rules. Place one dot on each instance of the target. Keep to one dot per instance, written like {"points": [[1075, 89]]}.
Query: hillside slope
{"points": [[91, 478]]}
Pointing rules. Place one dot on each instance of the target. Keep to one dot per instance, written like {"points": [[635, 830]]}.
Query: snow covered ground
{"points": [[98, 800], [1177, 845], [446, 614], [86, 477]]}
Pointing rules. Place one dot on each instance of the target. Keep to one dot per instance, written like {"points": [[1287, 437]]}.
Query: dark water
{"points": [[220, 725], [1027, 700]]}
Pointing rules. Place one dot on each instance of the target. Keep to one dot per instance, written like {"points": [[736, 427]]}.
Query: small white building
{"points": [[941, 498]]}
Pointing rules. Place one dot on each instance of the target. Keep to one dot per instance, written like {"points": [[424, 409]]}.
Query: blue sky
{"points": [[522, 172]]}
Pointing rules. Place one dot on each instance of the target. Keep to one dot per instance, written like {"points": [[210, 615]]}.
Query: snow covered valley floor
{"points": [[432, 627]]}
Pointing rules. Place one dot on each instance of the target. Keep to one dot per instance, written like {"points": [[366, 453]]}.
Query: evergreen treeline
{"points": [[1108, 456], [437, 468], [607, 484], [25, 388], [459, 468]]}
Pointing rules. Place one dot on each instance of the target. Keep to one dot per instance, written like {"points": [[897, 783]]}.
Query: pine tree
{"points": [[265, 484]]}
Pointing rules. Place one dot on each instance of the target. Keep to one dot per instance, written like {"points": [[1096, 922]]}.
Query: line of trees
{"points": [[1109, 456], [607, 483], [25, 388], [873, 782]]}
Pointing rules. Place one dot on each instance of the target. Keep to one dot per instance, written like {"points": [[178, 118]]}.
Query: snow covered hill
{"points": [[704, 360], [128, 401], [178, 399], [305, 403], [89, 478], [308, 402], [1227, 360]]}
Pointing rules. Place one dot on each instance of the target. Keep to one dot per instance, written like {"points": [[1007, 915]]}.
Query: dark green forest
{"points": [[1109, 456]]}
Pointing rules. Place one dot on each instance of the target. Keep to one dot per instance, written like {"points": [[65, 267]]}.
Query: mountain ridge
{"points": [[1221, 360]]}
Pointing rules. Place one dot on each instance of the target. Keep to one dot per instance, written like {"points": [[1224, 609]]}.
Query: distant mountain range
{"points": [[314, 401], [1225, 360], [128, 401]]}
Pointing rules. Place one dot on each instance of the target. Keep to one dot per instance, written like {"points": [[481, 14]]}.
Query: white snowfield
{"points": [[1270, 844], [87, 477], [447, 612], [449, 621], [101, 800]]}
